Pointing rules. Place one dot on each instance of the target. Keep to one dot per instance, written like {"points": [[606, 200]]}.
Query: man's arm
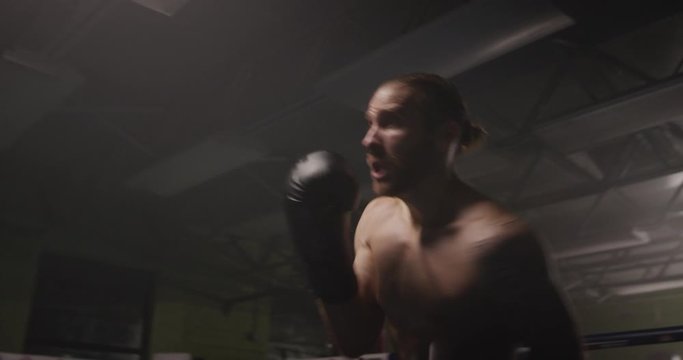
{"points": [[529, 301], [355, 325], [552, 333], [321, 193]]}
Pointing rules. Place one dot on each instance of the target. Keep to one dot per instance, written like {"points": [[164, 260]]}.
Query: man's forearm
{"points": [[557, 344], [354, 326], [554, 333]]}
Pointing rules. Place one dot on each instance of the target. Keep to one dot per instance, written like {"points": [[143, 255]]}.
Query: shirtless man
{"points": [[438, 261]]}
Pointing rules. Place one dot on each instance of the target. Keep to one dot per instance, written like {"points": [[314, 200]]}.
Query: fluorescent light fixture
{"points": [[639, 238], [627, 290]]}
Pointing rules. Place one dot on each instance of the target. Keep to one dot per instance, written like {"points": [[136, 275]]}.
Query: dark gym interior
{"points": [[144, 146]]}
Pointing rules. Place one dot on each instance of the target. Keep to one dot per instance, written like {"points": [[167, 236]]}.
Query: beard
{"points": [[406, 169]]}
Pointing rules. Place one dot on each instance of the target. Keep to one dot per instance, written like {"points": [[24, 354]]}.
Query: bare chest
{"points": [[417, 273]]}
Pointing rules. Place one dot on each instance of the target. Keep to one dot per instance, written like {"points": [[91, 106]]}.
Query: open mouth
{"points": [[377, 170]]}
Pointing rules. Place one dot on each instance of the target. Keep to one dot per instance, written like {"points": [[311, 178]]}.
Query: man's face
{"points": [[398, 149]]}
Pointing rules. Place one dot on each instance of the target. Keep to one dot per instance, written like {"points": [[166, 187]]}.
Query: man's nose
{"points": [[370, 137]]}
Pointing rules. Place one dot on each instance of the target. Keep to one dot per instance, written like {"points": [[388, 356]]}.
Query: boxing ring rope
{"points": [[633, 338], [591, 342]]}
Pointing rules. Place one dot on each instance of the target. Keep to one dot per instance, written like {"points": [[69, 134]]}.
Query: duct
{"points": [[461, 40], [644, 109], [201, 163]]}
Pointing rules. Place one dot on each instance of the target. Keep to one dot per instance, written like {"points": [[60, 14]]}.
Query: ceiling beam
{"points": [[461, 40], [197, 165], [594, 188], [627, 261], [642, 109], [646, 108]]}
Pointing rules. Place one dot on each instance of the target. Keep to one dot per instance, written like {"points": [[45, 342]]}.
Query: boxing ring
{"points": [[592, 342]]}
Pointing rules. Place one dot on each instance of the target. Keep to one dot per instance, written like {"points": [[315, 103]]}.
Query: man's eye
{"points": [[391, 122]]}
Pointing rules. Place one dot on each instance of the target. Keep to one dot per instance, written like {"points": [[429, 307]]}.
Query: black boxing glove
{"points": [[321, 192]]}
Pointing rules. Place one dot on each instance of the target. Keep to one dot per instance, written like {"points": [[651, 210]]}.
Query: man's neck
{"points": [[437, 198]]}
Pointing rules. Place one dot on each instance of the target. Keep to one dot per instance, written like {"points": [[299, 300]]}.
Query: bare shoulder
{"points": [[376, 212], [506, 239], [383, 204], [489, 220], [380, 209]]}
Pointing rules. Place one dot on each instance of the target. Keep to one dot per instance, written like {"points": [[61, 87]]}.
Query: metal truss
{"points": [[262, 269], [653, 263], [525, 132], [620, 173]]}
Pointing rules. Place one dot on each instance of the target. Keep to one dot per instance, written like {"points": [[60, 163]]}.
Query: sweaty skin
{"points": [[424, 281], [439, 262]]}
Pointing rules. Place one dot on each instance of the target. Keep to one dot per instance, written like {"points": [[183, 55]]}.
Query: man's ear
{"points": [[449, 134], [451, 140]]}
